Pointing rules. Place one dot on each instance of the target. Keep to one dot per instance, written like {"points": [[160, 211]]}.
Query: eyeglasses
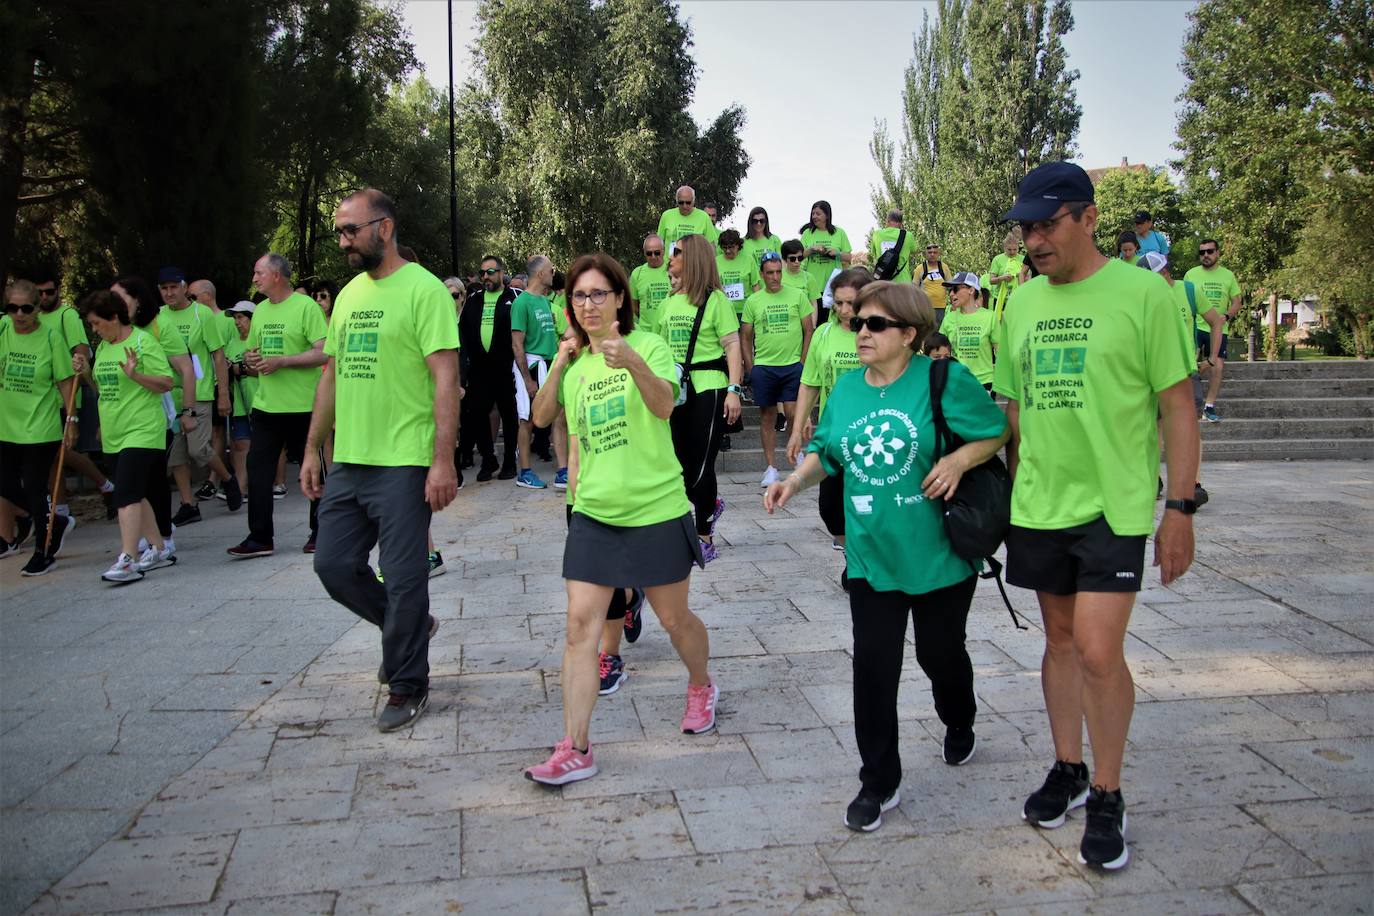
{"points": [[351, 232], [597, 296], [1206, 251], [795, 258], [684, 203], [11, 308], [488, 271], [1043, 226], [876, 323], [48, 291], [758, 219], [656, 253]]}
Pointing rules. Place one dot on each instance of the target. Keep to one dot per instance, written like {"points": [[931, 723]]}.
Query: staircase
{"points": [[1282, 411]]}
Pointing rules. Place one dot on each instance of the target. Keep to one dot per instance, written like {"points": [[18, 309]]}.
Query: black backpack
{"points": [[889, 263], [978, 517]]}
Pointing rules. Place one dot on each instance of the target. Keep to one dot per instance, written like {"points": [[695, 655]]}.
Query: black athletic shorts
{"points": [[1084, 558], [1204, 345], [136, 472]]}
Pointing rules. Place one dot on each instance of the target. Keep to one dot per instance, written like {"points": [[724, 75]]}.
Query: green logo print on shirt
{"points": [[1055, 373], [880, 448]]}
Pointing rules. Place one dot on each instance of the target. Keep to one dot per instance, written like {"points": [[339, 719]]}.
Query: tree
{"points": [[1121, 192], [1332, 248], [988, 97]]}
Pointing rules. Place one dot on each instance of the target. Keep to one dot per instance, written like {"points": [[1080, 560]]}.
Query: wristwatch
{"points": [[1186, 506], [187, 410], [733, 389]]}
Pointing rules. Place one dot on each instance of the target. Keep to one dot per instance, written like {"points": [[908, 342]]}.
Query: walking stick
{"points": [[61, 457]]}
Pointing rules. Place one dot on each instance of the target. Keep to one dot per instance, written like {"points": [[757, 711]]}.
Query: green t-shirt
{"points": [[672, 226], [753, 249], [777, 320], [819, 267], [203, 335], [168, 336], [68, 325], [1086, 361], [287, 328], [243, 388], [886, 238], [1001, 264], [31, 365], [627, 472], [1216, 287], [970, 338], [832, 355], [649, 286], [131, 416], [883, 441], [738, 277], [532, 314], [489, 300], [560, 315], [231, 330], [1187, 313], [380, 335], [675, 326], [801, 282]]}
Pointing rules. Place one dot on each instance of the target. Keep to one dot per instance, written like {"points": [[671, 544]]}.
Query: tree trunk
{"points": [[14, 119], [303, 217], [1271, 350]]}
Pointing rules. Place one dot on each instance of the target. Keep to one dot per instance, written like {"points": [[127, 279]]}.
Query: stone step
{"points": [[1294, 388], [1307, 428], [1288, 450], [1295, 408], [1303, 369]]}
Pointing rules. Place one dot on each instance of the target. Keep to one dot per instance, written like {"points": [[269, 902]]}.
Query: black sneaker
{"points": [[959, 745], [206, 491], [1159, 490], [1065, 788], [780, 424], [23, 527], [111, 513], [381, 669], [402, 709], [1104, 837], [186, 515], [487, 471], [612, 674], [865, 812], [725, 443], [1200, 495], [634, 616], [508, 472], [62, 526], [233, 494], [38, 564], [465, 462]]}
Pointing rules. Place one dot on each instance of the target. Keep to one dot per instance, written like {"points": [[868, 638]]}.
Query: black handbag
{"points": [[978, 517]]}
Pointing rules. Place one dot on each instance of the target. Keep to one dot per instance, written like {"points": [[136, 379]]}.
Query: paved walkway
{"points": [[203, 740]]}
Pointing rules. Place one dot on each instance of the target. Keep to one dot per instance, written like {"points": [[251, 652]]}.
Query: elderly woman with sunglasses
{"points": [[878, 431]]}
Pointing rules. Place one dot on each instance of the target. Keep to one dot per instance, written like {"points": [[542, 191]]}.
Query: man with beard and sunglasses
{"points": [[1220, 291], [389, 392], [484, 328]]}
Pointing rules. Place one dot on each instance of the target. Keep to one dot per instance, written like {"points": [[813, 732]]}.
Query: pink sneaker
{"points": [[566, 765], [701, 709]]}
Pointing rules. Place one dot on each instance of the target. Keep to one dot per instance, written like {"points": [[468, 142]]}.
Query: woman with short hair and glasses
{"points": [[631, 523], [759, 237], [324, 294], [878, 430]]}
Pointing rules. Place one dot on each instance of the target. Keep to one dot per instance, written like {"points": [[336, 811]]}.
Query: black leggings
{"points": [[879, 638], [24, 469], [832, 504], [493, 387], [698, 426], [618, 605]]}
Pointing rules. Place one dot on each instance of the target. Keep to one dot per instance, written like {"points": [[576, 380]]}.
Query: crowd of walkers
{"points": [[630, 382]]}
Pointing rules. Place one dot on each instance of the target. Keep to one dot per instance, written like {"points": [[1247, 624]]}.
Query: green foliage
{"points": [[988, 97], [1121, 192], [1333, 248]]}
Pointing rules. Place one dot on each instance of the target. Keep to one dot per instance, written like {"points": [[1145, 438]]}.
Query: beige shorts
{"points": [[194, 447]]}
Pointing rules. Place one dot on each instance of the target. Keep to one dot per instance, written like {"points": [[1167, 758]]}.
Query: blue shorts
{"points": [[1204, 344], [240, 429], [775, 384]]}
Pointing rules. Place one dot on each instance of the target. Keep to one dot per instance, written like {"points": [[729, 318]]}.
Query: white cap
{"points": [[1153, 260], [964, 278], [243, 305]]}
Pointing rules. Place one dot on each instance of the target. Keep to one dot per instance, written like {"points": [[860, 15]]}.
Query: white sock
{"points": [[63, 509], [107, 487]]}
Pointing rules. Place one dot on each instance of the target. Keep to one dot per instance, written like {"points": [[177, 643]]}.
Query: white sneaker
{"points": [[770, 477], [152, 558], [125, 569]]}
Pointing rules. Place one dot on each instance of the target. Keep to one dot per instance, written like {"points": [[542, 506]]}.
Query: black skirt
{"points": [[631, 557]]}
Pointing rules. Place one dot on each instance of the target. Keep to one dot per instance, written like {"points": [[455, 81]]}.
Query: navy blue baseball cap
{"points": [[171, 275], [1048, 187]]}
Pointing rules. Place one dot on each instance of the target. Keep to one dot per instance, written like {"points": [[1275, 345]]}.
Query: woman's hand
{"points": [[617, 351], [732, 407], [778, 494], [130, 362], [944, 478]]}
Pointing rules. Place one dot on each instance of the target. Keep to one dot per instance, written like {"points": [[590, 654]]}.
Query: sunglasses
{"points": [[11, 308], [456, 296], [1206, 251], [47, 292], [758, 219], [322, 294], [488, 271], [795, 258], [684, 203], [875, 323], [656, 253]]}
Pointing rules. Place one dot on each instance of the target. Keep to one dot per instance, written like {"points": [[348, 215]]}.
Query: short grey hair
{"points": [[279, 263], [535, 264], [687, 187]]}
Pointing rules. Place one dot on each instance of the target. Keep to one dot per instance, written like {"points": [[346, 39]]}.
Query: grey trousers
{"points": [[363, 506]]}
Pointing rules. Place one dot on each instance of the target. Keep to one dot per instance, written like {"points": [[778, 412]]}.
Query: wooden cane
{"points": [[61, 457]]}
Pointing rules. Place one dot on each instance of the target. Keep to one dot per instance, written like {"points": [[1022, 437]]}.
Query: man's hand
{"points": [[312, 477], [188, 422], [530, 386], [441, 485], [1173, 545], [222, 405]]}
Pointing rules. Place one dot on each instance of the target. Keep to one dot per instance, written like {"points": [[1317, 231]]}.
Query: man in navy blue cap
{"points": [[1092, 350]]}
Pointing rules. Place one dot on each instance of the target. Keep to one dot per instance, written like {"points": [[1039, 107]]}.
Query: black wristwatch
{"points": [[1186, 506]]}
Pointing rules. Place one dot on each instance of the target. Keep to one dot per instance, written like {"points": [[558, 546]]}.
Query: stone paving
{"points": [[203, 741]]}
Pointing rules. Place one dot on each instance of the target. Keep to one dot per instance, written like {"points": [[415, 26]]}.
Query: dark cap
{"points": [[171, 275], [1047, 187], [1143, 216]]}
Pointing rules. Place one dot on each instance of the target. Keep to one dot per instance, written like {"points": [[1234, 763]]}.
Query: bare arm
{"points": [[544, 410], [303, 360], [321, 425], [808, 328], [441, 484], [944, 478], [181, 364], [1014, 429], [746, 331], [1174, 539], [517, 345], [801, 421]]}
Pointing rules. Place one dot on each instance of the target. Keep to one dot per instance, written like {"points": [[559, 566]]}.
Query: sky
{"points": [[845, 61]]}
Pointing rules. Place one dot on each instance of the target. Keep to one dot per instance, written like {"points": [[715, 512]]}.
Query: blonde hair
{"points": [[906, 302], [699, 274]]}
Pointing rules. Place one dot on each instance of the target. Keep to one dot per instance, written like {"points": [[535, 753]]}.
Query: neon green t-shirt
{"points": [[738, 277], [649, 286], [819, 267], [1001, 264], [801, 282], [203, 335], [489, 300], [31, 365], [970, 338], [131, 416], [1086, 361], [672, 226], [754, 249], [886, 238], [1217, 287], [287, 328], [380, 334], [777, 321], [68, 325], [560, 315], [243, 388], [1187, 314], [675, 326], [832, 355], [627, 472], [532, 314], [883, 442]]}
